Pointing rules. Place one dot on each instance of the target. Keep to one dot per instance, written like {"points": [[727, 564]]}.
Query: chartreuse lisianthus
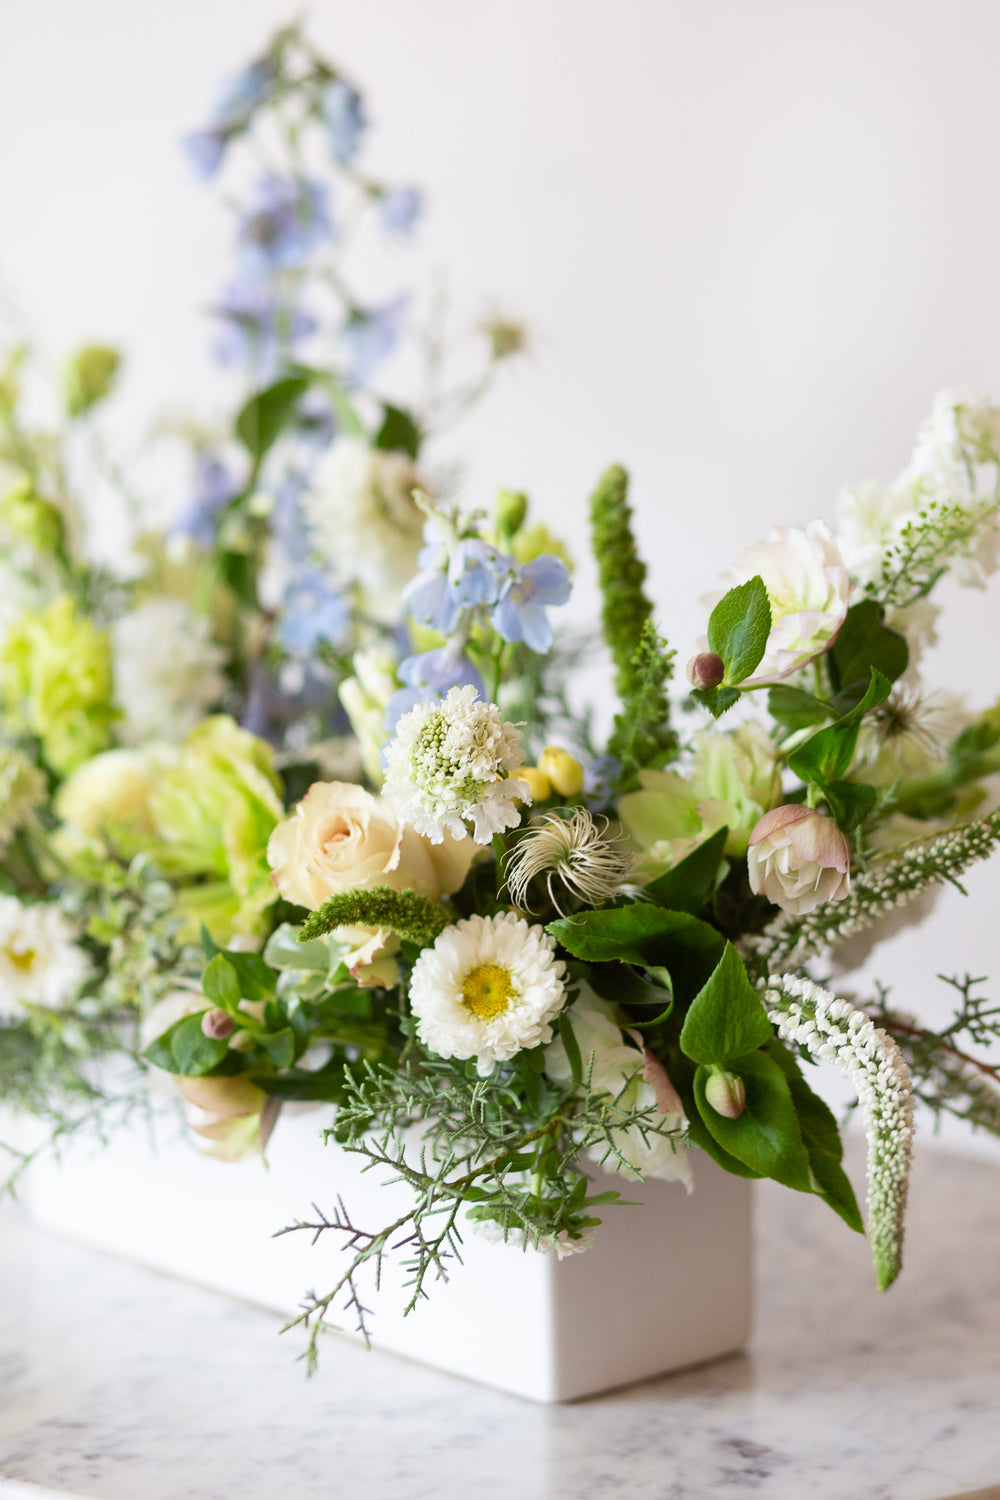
{"points": [[56, 682]]}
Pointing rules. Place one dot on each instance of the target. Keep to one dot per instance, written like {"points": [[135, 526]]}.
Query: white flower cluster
{"points": [[889, 882], [40, 961], [835, 1030], [22, 789], [450, 762], [562, 1243], [168, 670]]}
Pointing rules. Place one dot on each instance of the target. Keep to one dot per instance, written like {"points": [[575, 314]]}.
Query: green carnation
{"points": [[22, 789], [56, 682]]}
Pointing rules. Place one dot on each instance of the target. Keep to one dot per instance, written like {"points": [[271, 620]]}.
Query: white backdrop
{"points": [[751, 240]]}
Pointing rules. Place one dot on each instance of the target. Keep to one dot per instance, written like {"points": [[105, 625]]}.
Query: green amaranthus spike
{"points": [[834, 1029], [415, 917], [642, 663]]}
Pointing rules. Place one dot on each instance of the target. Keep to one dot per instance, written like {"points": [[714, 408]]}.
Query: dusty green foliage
{"points": [[415, 917], [506, 1149], [928, 546]]}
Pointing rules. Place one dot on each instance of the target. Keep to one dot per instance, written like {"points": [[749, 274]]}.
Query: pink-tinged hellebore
{"points": [[798, 859]]}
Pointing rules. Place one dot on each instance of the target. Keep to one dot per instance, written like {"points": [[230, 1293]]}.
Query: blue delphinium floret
{"points": [[343, 112], [519, 614], [368, 338], [429, 675], [205, 150], [400, 208], [312, 611], [286, 219], [252, 319], [241, 95], [214, 487]]}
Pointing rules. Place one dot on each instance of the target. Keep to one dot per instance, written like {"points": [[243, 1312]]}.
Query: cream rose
{"points": [[798, 859]]}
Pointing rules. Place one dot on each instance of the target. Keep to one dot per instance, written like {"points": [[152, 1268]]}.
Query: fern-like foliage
{"points": [[415, 917]]}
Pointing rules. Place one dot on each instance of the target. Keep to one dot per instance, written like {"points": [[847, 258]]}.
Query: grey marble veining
{"points": [[116, 1384]]}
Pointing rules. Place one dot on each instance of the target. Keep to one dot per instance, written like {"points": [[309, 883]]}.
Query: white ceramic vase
{"points": [[666, 1284]]}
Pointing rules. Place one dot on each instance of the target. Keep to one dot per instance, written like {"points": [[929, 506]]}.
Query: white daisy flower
{"points": [[22, 789], [488, 989], [168, 670], [450, 762], [40, 961]]}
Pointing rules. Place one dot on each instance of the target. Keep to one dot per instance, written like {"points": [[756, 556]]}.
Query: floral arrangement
{"points": [[300, 810]]}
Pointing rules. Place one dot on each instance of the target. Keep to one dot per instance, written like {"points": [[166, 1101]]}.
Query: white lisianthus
{"points": [[489, 988], [40, 960], [808, 588], [798, 859], [168, 670], [22, 789], [364, 521], [450, 762], [871, 519], [617, 1069]]}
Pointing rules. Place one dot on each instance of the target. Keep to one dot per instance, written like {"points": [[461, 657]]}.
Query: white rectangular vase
{"points": [[666, 1284]]}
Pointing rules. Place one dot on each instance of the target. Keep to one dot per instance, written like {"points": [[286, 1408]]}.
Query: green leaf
{"points": [[185, 1049], [796, 709], [278, 1046], [398, 432], [220, 983], [321, 1085], [821, 1139], [265, 416], [826, 756], [738, 629], [647, 936], [726, 1019], [766, 1136], [686, 886], [572, 1046], [716, 699], [850, 802], [624, 985], [865, 643]]}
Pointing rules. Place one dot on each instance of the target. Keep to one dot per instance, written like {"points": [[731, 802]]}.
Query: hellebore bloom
{"points": [[798, 859]]}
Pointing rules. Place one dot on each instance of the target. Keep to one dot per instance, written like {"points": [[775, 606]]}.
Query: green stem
{"points": [[912, 794]]}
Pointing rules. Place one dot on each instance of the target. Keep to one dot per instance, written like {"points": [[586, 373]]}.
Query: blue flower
{"points": [[312, 612], [431, 600], [205, 150], [214, 487], [401, 207], [343, 112], [240, 95], [520, 614], [286, 219], [369, 337], [252, 319], [475, 573], [429, 675]]}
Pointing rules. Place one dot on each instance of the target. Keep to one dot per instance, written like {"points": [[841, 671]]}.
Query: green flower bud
{"points": [[726, 1094], [511, 509], [706, 670], [88, 377], [506, 337], [35, 520]]}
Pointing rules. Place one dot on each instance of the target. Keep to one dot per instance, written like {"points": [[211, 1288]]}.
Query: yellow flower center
{"points": [[488, 991], [21, 959]]}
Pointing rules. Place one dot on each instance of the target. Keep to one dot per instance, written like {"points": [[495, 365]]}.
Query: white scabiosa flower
{"points": [[489, 988], [168, 670], [575, 858], [616, 1069], [364, 521], [22, 789], [40, 961], [450, 764]]}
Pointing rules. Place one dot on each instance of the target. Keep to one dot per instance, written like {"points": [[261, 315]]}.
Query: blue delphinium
{"points": [[430, 674], [400, 207], [343, 113], [205, 150], [241, 95], [214, 487], [368, 338], [255, 323], [519, 614], [312, 611], [287, 218]]}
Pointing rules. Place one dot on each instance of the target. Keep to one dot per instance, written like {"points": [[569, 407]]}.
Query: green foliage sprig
{"points": [[415, 917], [642, 735]]}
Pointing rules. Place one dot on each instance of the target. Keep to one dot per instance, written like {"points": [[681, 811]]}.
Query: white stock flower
{"points": [[808, 589], [168, 670], [488, 989], [619, 1070], [450, 762], [363, 520], [365, 697], [798, 859], [40, 960], [870, 519], [22, 789]]}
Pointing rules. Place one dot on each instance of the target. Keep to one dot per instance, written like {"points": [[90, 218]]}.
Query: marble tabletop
{"points": [[118, 1384]]}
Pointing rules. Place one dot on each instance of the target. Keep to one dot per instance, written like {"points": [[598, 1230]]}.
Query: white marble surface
{"points": [[116, 1384]]}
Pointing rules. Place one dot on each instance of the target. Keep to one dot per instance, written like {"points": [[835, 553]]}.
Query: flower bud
{"points": [[563, 770], [37, 521], [726, 1094], [798, 859], [511, 509], [538, 782], [232, 1114], [89, 376], [217, 1024], [706, 670]]}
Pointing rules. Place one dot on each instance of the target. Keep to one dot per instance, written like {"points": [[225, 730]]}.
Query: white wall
{"points": [[752, 241]]}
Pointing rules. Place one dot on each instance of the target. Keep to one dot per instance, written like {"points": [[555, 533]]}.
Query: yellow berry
{"points": [[538, 783], [563, 770]]}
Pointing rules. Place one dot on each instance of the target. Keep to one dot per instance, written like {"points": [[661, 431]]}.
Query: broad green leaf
{"points": [[647, 936], [726, 1019], [766, 1136], [686, 886], [796, 709], [716, 699], [265, 416], [220, 983], [850, 802], [398, 432], [569, 1041], [865, 643], [821, 1139], [826, 756], [738, 629], [278, 1046], [624, 985], [185, 1049], [325, 1085]]}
